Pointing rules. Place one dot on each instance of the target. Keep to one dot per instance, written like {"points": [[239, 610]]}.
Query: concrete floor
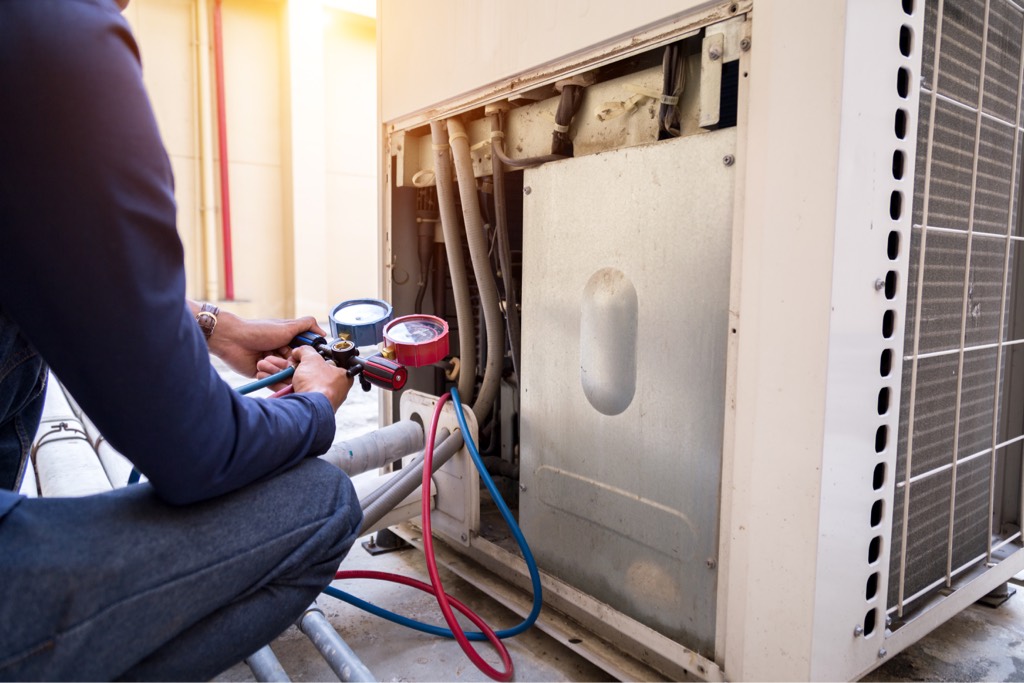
{"points": [[980, 644]]}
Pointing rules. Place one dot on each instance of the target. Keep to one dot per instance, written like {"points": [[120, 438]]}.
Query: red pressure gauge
{"points": [[417, 340]]}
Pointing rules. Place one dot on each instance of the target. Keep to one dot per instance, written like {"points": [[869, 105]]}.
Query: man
{"points": [[238, 528]]}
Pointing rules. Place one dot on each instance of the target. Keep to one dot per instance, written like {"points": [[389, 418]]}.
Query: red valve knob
{"points": [[384, 373]]}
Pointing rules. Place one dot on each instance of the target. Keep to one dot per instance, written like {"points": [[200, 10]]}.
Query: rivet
{"points": [[888, 621], [858, 630], [728, 160], [527, 190], [745, 44], [879, 284]]}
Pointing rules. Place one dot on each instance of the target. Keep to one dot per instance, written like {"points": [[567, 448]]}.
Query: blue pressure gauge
{"points": [[361, 321]]}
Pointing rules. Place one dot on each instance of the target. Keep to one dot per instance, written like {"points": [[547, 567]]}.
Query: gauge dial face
{"points": [[417, 331], [360, 313], [417, 340]]}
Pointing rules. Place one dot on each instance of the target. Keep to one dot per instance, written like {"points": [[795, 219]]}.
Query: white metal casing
{"points": [[803, 439]]}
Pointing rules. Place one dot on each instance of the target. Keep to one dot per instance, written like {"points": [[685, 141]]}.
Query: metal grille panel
{"points": [[959, 295]]}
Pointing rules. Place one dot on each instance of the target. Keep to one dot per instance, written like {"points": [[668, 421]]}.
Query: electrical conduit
{"points": [[342, 660], [266, 667]]}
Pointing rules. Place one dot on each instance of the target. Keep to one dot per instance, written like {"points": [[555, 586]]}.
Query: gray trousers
{"points": [[122, 585]]}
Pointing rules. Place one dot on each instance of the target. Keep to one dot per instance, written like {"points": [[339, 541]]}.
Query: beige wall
{"points": [[301, 108]]}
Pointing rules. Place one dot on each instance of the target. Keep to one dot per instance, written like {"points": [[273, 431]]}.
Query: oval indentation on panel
{"points": [[608, 320]]}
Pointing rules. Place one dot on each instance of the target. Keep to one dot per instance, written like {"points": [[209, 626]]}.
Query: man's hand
{"points": [[242, 343], [312, 373]]}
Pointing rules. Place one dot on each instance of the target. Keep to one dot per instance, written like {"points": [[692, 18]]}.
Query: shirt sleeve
{"points": [[93, 267]]}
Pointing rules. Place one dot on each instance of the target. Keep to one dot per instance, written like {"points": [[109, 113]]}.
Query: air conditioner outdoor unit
{"points": [[767, 403]]}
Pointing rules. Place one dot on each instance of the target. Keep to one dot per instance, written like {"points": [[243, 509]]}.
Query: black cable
{"points": [[504, 250], [529, 162], [568, 104], [673, 83]]}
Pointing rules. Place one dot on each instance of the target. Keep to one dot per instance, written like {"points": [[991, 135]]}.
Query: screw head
{"points": [[527, 190], [745, 44], [858, 630], [712, 563], [728, 160], [714, 54], [888, 621], [879, 284], [882, 653]]}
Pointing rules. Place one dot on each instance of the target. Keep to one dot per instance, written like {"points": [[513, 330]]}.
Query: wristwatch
{"points": [[207, 318]]}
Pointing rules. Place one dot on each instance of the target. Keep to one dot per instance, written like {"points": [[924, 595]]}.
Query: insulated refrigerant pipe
{"points": [[411, 478], [342, 660], [376, 449], [117, 467], [478, 252], [456, 263], [369, 498]]}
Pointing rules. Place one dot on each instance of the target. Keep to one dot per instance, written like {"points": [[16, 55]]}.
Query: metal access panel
{"points": [[625, 326]]}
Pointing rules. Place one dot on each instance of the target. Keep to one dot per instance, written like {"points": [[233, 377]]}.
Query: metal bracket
{"points": [[457, 505], [723, 42]]}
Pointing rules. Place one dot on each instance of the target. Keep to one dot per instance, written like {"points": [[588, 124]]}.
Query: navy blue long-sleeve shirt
{"points": [[91, 265]]}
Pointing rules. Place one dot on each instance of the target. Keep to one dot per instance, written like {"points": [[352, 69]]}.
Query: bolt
{"points": [[714, 54], [745, 44], [728, 160], [879, 284], [711, 563], [527, 190], [888, 621], [463, 537], [522, 487], [858, 630], [882, 653]]}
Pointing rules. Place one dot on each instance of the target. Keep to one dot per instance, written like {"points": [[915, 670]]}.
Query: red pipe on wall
{"points": [[222, 135]]}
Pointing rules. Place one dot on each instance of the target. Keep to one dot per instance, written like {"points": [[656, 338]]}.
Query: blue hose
{"points": [[266, 381], [506, 514]]}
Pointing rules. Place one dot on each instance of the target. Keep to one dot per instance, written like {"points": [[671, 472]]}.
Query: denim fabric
{"points": [[123, 585], [22, 385]]}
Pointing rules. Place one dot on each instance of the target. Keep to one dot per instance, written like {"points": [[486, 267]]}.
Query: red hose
{"points": [[443, 600], [427, 588], [282, 392]]}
